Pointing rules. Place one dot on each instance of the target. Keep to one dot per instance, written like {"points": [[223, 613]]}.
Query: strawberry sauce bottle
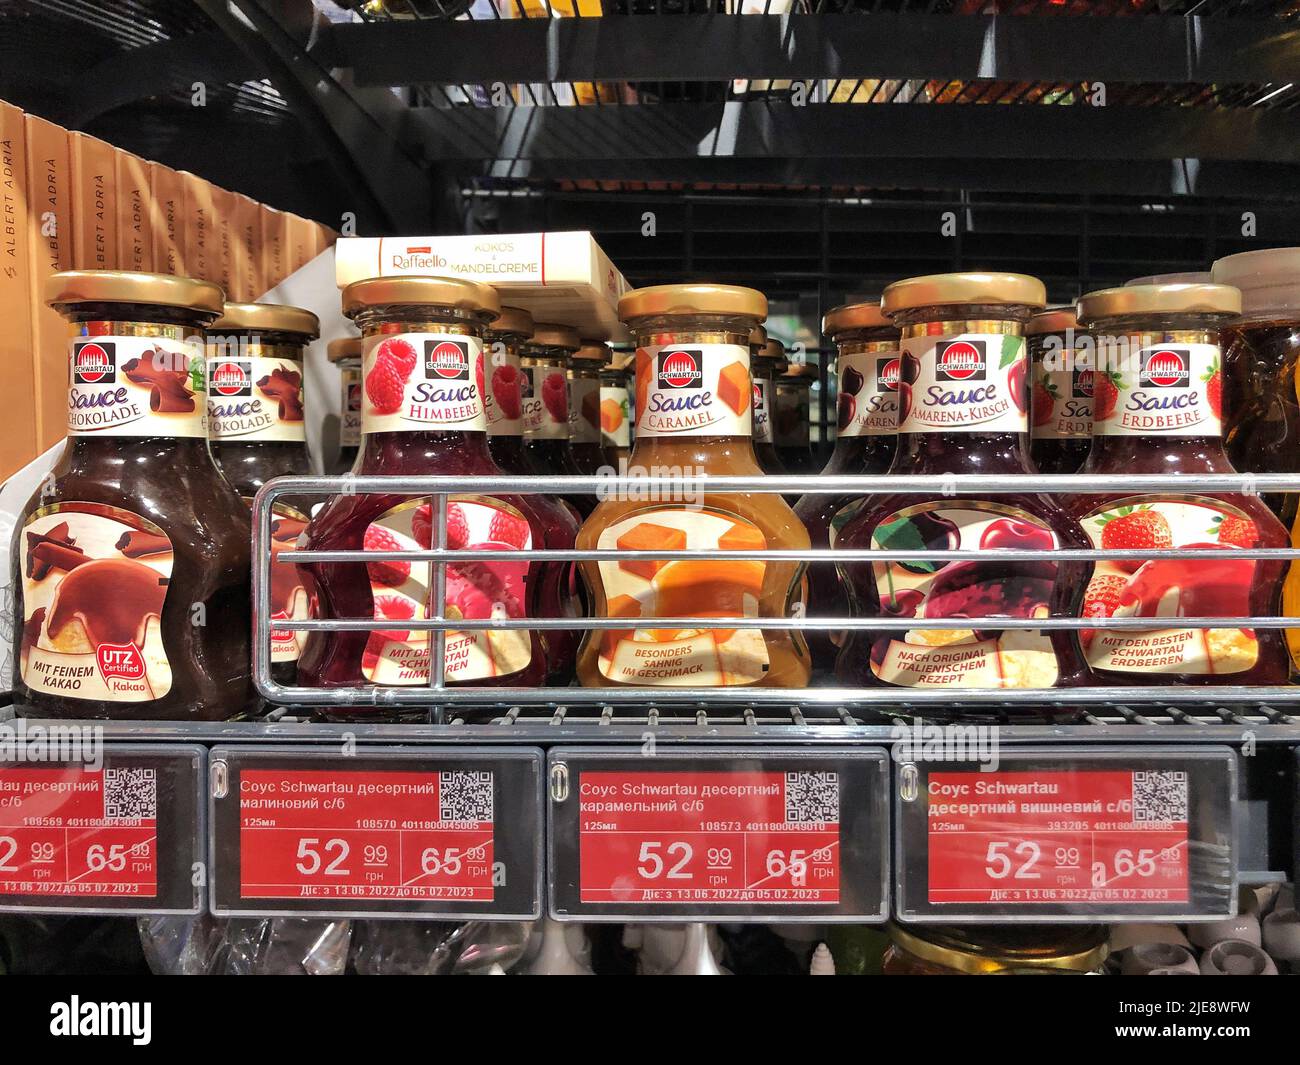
{"points": [[1060, 396], [345, 353], [544, 358], [1156, 409], [962, 402], [422, 413], [585, 367], [867, 422]]}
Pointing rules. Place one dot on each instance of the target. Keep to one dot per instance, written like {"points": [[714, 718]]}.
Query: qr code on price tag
{"points": [[1160, 795], [812, 797], [130, 794], [464, 796]]}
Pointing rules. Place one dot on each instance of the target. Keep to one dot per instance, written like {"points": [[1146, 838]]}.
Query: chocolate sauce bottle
{"points": [[345, 353], [131, 562]]}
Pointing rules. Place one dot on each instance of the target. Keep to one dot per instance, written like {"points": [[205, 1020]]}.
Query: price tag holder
{"points": [[757, 835], [94, 828], [385, 832], [1068, 834]]}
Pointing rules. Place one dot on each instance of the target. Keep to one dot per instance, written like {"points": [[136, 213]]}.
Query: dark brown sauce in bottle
{"points": [[345, 353]]}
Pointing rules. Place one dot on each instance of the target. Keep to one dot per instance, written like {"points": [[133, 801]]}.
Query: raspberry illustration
{"points": [[506, 392], [555, 395], [457, 527], [400, 354], [385, 387], [391, 573], [422, 525], [395, 608], [1132, 529], [1240, 532], [1105, 395], [508, 529], [478, 376]]}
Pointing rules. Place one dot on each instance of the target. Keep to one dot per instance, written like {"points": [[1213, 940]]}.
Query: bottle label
{"points": [[650, 589], [615, 416], [762, 417], [584, 410], [136, 386], [289, 598], [546, 402], [1170, 588], [505, 391], [350, 428], [693, 390], [1163, 390], [790, 416], [418, 382], [965, 657], [1061, 403], [95, 579], [475, 590], [972, 382], [256, 399], [868, 397]]}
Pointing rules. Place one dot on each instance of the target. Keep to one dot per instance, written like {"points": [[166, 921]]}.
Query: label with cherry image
{"points": [[94, 581], [693, 390], [974, 653], [475, 590], [584, 410], [650, 589], [546, 402], [868, 393], [350, 405], [507, 385], [251, 397], [973, 382], [1170, 588], [1162, 390], [615, 416], [136, 386], [289, 598], [420, 382], [1061, 403]]}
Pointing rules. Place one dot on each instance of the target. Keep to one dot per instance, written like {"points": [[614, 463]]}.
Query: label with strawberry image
{"points": [[1164, 390], [417, 382], [252, 397], [136, 386], [546, 402], [693, 390], [1170, 588], [350, 427], [615, 416], [698, 588], [506, 386], [1061, 403], [868, 396], [973, 382], [974, 593], [584, 409], [475, 590], [94, 581]]}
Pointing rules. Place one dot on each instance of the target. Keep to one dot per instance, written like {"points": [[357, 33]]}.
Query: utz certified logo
{"points": [[233, 377], [680, 368], [1082, 384], [94, 363], [446, 359], [120, 661], [1166, 368], [887, 374], [960, 360]]}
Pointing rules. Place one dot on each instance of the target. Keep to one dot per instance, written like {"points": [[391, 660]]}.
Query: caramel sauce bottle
{"points": [[345, 353], [616, 413], [693, 408], [1060, 394], [131, 562]]}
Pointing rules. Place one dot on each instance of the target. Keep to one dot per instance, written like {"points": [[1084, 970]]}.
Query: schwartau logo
{"points": [[887, 371], [959, 360], [233, 377], [94, 363], [446, 359], [1083, 384], [1165, 368], [680, 368]]}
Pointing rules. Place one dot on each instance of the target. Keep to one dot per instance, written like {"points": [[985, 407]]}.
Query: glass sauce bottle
{"points": [[791, 411], [962, 409], [1060, 396], [131, 561], [345, 353], [585, 368], [616, 412], [544, 358], [763, 370], [693, 397]]}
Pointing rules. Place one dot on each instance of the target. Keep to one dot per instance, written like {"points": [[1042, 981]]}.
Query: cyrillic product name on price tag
{"points": [[1058, 837], [79, 832], [329, 834], [755, 837]]}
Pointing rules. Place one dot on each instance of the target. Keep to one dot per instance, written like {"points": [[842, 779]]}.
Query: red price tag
{"points": [[1058, 837], [392, 834], [74, 831], [749, 837]]}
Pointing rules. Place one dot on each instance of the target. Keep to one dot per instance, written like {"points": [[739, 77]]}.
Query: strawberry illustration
{"points": [[1234, 530], [385, 386], [1100, 600], [1214, 388], [400, 354], [1045, 396], [1105, 394], [1133, 529], [390, 573]]}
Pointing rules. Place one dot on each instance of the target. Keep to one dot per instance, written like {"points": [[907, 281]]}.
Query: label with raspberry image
{"points": [[475, 590], [1061, 401], [615, 416], [698, 390], [966, 657], [761, 402], [868, 396], [584, 410], [1170, 588], [641, 589], [506, 386], [136, 386], [255, 396], [546, 402], [94, 581], [417, 382], [973, 382], [1162, 390], [350, 406], [289, 598]]}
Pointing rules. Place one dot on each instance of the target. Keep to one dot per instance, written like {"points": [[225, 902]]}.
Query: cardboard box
{"points": [[134, 241], [17, 377], [200, 238], [223, 237], [275, 246], [167, 220], [94, 203], [49, 207], [244, 228], [302, 242], [557, 277]]}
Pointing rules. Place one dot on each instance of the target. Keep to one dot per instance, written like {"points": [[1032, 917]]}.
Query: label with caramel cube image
{"points": [[703, 390]]}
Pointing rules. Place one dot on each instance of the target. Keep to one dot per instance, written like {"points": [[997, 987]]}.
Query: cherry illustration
{"points": [[1020, 535], [938, 534], [846, 407]]}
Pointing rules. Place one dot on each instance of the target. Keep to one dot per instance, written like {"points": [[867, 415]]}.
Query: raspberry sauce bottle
{"points": [[616, 412], [585, 367], [131, 562], [868, 364], [763, 369], [1060, 394], [693, 404], [962, 401], [544, 358], [1156, 409], [345, 353], [422, 413]]}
